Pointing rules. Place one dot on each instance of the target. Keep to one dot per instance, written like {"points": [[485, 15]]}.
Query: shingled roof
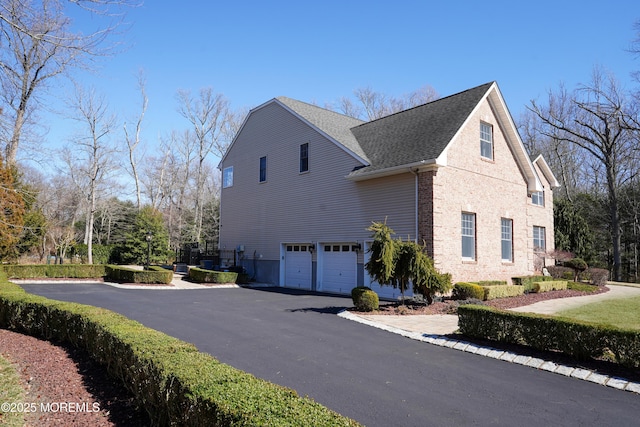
{"points": [[335, 125], [410, 138], [418, 134]]}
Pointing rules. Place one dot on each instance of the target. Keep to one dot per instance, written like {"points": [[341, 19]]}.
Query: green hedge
{"points": [[129, 275], [581, 340], [502, 291], [466, 290], [492, 282], [200, 275], [175, 383], [39, 271], [528, 281], [551, 285]]}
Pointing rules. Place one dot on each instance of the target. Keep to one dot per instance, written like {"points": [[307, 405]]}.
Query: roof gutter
{"points": [[420, 166]]}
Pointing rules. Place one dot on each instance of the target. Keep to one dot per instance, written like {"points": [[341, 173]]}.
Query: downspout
{"points": [[415, 173]]}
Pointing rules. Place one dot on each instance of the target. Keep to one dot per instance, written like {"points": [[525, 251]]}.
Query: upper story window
{"points": [[486, 140], [263, 169], [227, 177], [537, 198], [304, 157], [506, 238], [468, 236]]}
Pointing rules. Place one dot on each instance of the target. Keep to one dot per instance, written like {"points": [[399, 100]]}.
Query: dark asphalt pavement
{"points": [[375, 377]]}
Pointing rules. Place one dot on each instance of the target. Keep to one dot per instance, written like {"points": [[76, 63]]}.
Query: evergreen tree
{"points": [[11, 213]]}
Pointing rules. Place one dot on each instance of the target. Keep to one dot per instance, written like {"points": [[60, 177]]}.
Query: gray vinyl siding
{"points": [[320, 205]]}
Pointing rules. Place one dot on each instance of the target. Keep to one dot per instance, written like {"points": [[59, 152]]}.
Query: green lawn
{"points": [[10, 392], [623, 313]]}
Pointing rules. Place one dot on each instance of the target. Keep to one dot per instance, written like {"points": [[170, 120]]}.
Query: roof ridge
{"points": [[428, 103]]}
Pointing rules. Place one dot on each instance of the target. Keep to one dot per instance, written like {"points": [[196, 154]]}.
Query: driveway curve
{"points": [[378, 378]]}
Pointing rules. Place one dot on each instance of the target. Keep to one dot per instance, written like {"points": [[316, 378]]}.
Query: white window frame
{"points": [[227, 177], [539, 239], [506, 239], [486, 140], [468, 234], [537, 198]]}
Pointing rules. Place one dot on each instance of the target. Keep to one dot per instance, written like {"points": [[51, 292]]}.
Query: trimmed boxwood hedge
{"points": [[465, 290], [39, 271], [200, 275], [582, 340], [155, 274], [551, 285], [502, 291], [528, 281], [176, 384]]}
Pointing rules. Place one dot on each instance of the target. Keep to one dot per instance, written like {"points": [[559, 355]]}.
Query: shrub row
{"points": [[200, 275], [502, 291], [468, 290], [492, 282], [176, 384], [549, 285], [595, 276], [129, 275], [465, 290], [581, 340], [528, 281], [39, 271]]}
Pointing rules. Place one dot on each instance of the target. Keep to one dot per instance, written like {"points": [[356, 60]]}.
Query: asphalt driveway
{"points": [[378, 378]]}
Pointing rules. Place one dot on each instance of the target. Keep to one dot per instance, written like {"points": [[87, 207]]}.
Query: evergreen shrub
{"points": [[465, 290]]}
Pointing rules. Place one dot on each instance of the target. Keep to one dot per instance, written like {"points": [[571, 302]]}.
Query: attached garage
{"points": [[297, 266], [338, 267]]}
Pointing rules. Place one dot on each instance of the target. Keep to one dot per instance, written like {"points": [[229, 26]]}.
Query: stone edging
{"points": [[507, 356]]}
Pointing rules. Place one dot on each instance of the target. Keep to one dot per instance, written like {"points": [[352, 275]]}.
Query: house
{"points": [[301, 184]]}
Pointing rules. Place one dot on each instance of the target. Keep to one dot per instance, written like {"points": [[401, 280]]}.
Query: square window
{"points": [[486, 140], [304, 157], [468, 236], [537, 198], [227, 177], [263, 169], [507, 239]]}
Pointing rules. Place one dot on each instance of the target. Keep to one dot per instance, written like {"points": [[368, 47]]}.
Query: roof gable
{"points": [[419, 134], [334, 126]]}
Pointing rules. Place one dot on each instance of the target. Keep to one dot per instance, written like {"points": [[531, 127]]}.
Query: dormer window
{"points": [[486, 141]]}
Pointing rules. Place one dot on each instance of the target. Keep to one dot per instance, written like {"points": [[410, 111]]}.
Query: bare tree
{"points": [[370, 104], [92, 157], [207, 114], [134, 140], [36, 46], [598, 118]]}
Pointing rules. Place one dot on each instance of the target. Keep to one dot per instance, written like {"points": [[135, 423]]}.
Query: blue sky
{"points": [[252, 51]]}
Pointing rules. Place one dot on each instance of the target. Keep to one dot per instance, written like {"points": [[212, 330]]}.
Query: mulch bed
{"points": [[54, 374]]}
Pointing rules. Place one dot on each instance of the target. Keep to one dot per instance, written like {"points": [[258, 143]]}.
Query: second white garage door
{"points": [[297, 264], [339, 268]]}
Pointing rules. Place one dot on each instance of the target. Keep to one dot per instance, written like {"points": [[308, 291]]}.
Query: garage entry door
{"points": [[339, 268], [297, 266]]}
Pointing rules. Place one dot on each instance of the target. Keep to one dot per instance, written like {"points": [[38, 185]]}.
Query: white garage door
{"points": [[297, 266], [339, 264]]}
